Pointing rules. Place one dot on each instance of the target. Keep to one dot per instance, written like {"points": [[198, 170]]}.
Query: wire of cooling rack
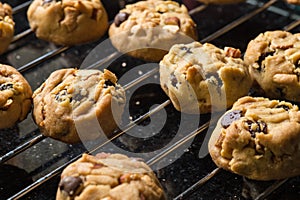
{"points": [[271, 189], [197, 185], [21, 148], [179, 143], [21, 35], [42, 58], [20, 7], [237, 22]]}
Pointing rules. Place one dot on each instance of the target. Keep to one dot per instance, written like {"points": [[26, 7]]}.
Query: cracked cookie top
{"points": [[107, 177], [217, 77], [258, 138], [68, 103], [152, 24], [152, 13], [68, 22], [274, 63]]}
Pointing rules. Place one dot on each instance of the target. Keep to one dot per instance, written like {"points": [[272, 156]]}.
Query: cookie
{"points": [[7, 26], [273, 58], [220, 1], [259, 139], [109, 177], [71, 103], [15, 97], [148, 29], [68, 22], [203, 77]]}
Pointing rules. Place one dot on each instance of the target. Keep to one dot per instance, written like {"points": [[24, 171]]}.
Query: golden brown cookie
{"points": [[259, 139], [71, 102], [68, 22], [147, 29], [213, 77], [7, 26], [15, 96], [274, 59], [109, 177]]}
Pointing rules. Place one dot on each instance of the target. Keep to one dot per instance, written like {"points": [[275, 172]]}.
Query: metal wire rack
{"points": [[187, 176]]}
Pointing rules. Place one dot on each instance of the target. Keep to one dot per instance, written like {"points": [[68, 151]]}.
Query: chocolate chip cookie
{"points": [[78, 105], [68, 22], [259, 139], [203, 77], [147, 29], [109, 177], [15, 96], [273, 58], [7, 26]]}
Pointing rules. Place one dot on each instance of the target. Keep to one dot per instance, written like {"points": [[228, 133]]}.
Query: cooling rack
{"points": [[31, 163]]}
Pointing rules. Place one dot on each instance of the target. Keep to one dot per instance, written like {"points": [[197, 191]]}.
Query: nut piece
{"points": [[232, 52], [172, 21]]}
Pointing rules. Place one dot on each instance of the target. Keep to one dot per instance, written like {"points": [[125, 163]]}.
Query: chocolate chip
{"points": [[120, 18], [231, 117], [262, 58], [297, 64], [77, 97], [285, 107], [94, 14], [256, 127], [249, 126], [263, 127], [214, 79], [61, 96], [71, 185], [6, 86], [298, 74], [108, 83], [173, 79], [184, 48]]}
